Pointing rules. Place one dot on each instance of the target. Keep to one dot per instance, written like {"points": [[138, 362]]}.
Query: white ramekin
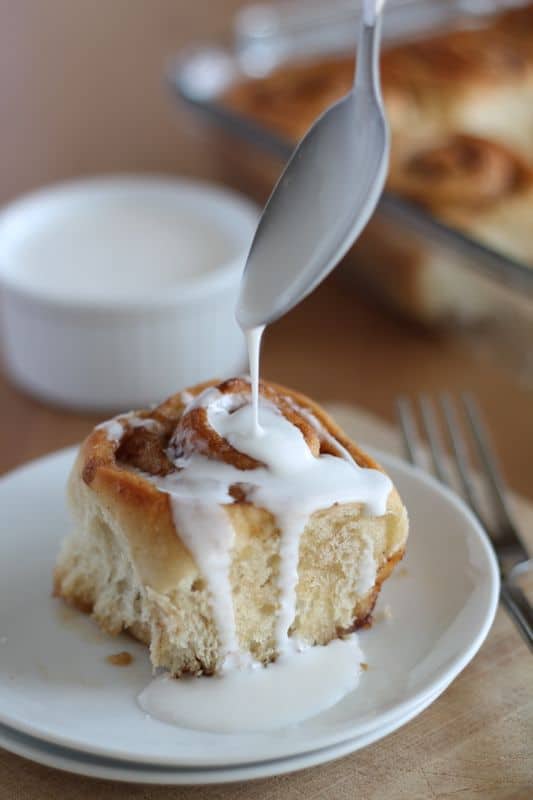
{"points": [[123, 353]]}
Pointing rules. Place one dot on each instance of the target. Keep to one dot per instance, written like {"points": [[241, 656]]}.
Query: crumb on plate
{"points": [[122, 659]]}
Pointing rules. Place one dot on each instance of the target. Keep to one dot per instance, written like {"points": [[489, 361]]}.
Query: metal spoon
{"points": [[324, 197]]}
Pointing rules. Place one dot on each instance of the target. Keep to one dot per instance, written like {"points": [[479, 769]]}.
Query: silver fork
{"points": [[511, 553]]}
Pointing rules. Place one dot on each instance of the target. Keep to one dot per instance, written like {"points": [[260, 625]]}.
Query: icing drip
{"points": [[212, 552], [253, 340]]}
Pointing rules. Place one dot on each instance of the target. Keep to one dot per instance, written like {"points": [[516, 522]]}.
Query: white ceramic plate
{"points": [[56, 685], [99, 767]]}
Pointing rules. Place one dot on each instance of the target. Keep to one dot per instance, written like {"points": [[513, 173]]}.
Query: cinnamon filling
{"points": [[182, 432], [145, 450]]}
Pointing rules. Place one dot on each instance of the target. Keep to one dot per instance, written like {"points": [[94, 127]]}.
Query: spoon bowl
{"points": [[323, 199]]}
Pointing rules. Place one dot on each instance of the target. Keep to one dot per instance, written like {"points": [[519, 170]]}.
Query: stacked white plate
{"points": [[63, 704]]}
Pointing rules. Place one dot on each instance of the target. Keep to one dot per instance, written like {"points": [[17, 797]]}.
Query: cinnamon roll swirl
{"points": [[460, 171], [218, 549], [478, 186], [475, 185]]}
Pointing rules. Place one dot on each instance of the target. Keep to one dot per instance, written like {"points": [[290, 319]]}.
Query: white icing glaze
{"points": [[253, 340], [212, 553], [113, 428], [116, 426], [331, 440], [138, 422], [292, 485], [367, 567], [285, 693]]}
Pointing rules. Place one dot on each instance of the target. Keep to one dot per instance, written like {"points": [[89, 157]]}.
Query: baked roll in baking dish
{"points": [[477, 186], [211, 557], [477, 80], [460, 108]]}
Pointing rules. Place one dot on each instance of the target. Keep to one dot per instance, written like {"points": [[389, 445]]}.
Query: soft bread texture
{"points": [[126, 564], [461, 101]]}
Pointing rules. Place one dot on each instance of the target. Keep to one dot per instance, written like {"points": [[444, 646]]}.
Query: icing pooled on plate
{"points": [[286, 692]]}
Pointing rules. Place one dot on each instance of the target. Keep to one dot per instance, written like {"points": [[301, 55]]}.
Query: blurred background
{"points": [[82, 88], [438, 294]]}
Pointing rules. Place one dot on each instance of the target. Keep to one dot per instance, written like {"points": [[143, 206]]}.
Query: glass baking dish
{"points": [[444, 275]]}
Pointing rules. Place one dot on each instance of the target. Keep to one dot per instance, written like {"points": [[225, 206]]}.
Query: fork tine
{"points": [[430, 428], [459, 451], [512, 596], [488, 458], [408, 428]]}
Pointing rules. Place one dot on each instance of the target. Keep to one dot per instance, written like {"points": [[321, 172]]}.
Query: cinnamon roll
{"points": [[216, 547], [460, 171], [477, 186]]}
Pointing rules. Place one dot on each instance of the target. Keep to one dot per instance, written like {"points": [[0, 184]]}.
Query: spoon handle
{"points": [[367, 62]]}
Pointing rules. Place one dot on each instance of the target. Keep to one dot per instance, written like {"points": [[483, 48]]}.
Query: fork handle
{"points": [[519, 607]]}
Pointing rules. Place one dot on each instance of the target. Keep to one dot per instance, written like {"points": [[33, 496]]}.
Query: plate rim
{"points": [[445, 675], [157, 774]]}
